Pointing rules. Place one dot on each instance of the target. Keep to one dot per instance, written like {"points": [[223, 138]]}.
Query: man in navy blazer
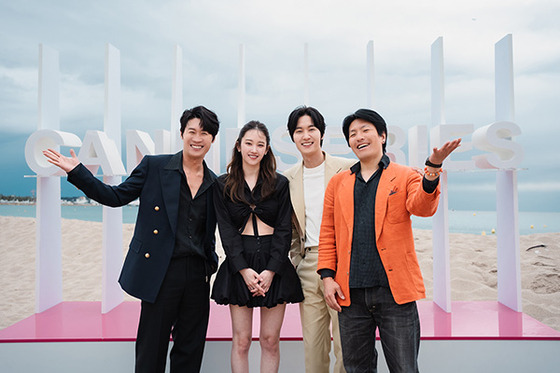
{"points": [[172, 253]]}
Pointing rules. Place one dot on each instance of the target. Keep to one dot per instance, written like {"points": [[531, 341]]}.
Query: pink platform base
{"points": [[83, 322]]}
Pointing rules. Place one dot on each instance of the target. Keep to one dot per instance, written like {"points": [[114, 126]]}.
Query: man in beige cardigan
{"points": [[308, 180]]}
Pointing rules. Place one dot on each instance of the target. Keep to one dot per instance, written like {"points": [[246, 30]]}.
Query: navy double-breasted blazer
{"points": [[156, 181]]}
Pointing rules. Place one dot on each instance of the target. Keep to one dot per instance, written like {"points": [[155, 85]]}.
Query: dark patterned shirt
{"points": [[366, 268]]}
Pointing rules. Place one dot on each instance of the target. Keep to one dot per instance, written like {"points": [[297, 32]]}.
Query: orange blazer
{"points": [[399, 195]]}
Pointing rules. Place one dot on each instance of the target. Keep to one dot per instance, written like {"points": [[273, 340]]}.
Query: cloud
{"points": [[209, 33], [18, 99]]}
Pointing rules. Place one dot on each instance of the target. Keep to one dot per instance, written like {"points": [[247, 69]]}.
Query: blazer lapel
{"points": [[297, 197], [170, 178], [330, 169]]}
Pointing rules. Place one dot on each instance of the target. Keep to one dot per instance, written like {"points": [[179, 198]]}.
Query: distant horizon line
{"points": [[85, 201]]}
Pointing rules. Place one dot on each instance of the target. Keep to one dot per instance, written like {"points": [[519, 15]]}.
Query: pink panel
{"points": [[83, 321]]}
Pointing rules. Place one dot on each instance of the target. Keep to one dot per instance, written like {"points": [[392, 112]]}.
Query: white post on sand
{"points": [[169, 141], [112, 294], [48, 278], [369, 75], [440, 221], [213, 158], [509, 268], [232, 133], [176, 100], [306, 74], [241, 88]]}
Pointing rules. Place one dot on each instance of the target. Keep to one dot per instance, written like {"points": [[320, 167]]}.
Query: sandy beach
{"points": [[473, 267]]}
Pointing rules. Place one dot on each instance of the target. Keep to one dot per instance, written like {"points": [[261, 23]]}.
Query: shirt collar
{"points": [[383, 163], [176, 163]]}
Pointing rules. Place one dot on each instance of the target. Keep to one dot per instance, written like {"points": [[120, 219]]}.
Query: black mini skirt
{"points": [[230, 288]]}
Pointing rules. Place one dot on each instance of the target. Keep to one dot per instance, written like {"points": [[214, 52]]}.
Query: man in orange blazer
{"points": [[367, 259]]}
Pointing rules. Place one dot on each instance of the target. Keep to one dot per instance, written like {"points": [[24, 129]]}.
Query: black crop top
{"points": [[275, 211]]}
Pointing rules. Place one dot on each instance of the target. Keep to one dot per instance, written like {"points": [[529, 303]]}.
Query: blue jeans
{"points": [[399, 330]]}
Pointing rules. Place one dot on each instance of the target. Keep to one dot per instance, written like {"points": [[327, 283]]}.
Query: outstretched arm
{"points": [[59, 160], [108, 195], [438, 156]]}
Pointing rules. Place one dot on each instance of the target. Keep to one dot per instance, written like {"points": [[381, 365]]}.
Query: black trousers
{"points": [[181, 309]]}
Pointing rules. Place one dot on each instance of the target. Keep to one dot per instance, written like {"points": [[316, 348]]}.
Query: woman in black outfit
{"points": [[253, 210]]}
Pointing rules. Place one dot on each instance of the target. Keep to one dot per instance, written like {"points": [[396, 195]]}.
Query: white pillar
{"points": [[369, 75], [306, 74], [509, 268], [48, 277], [176, 101], [440, 221], [213, 159], [112, 294], [241, 88]]}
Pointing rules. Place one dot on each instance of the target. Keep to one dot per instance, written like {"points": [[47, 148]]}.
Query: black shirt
{"points": [[275, 211], [366, 269], [191, 221]]}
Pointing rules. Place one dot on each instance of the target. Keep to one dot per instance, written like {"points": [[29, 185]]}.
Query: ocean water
{"points": [[79, 212], [479, 222], [460, 221]]}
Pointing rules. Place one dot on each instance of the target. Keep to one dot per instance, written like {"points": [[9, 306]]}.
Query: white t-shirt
{"points": [[313, 194]]}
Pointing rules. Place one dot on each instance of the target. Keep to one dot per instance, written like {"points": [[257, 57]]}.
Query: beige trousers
{"points": [[316, 318]]}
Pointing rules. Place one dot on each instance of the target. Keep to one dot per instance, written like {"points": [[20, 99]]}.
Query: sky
{"points": [[274, 35]]}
